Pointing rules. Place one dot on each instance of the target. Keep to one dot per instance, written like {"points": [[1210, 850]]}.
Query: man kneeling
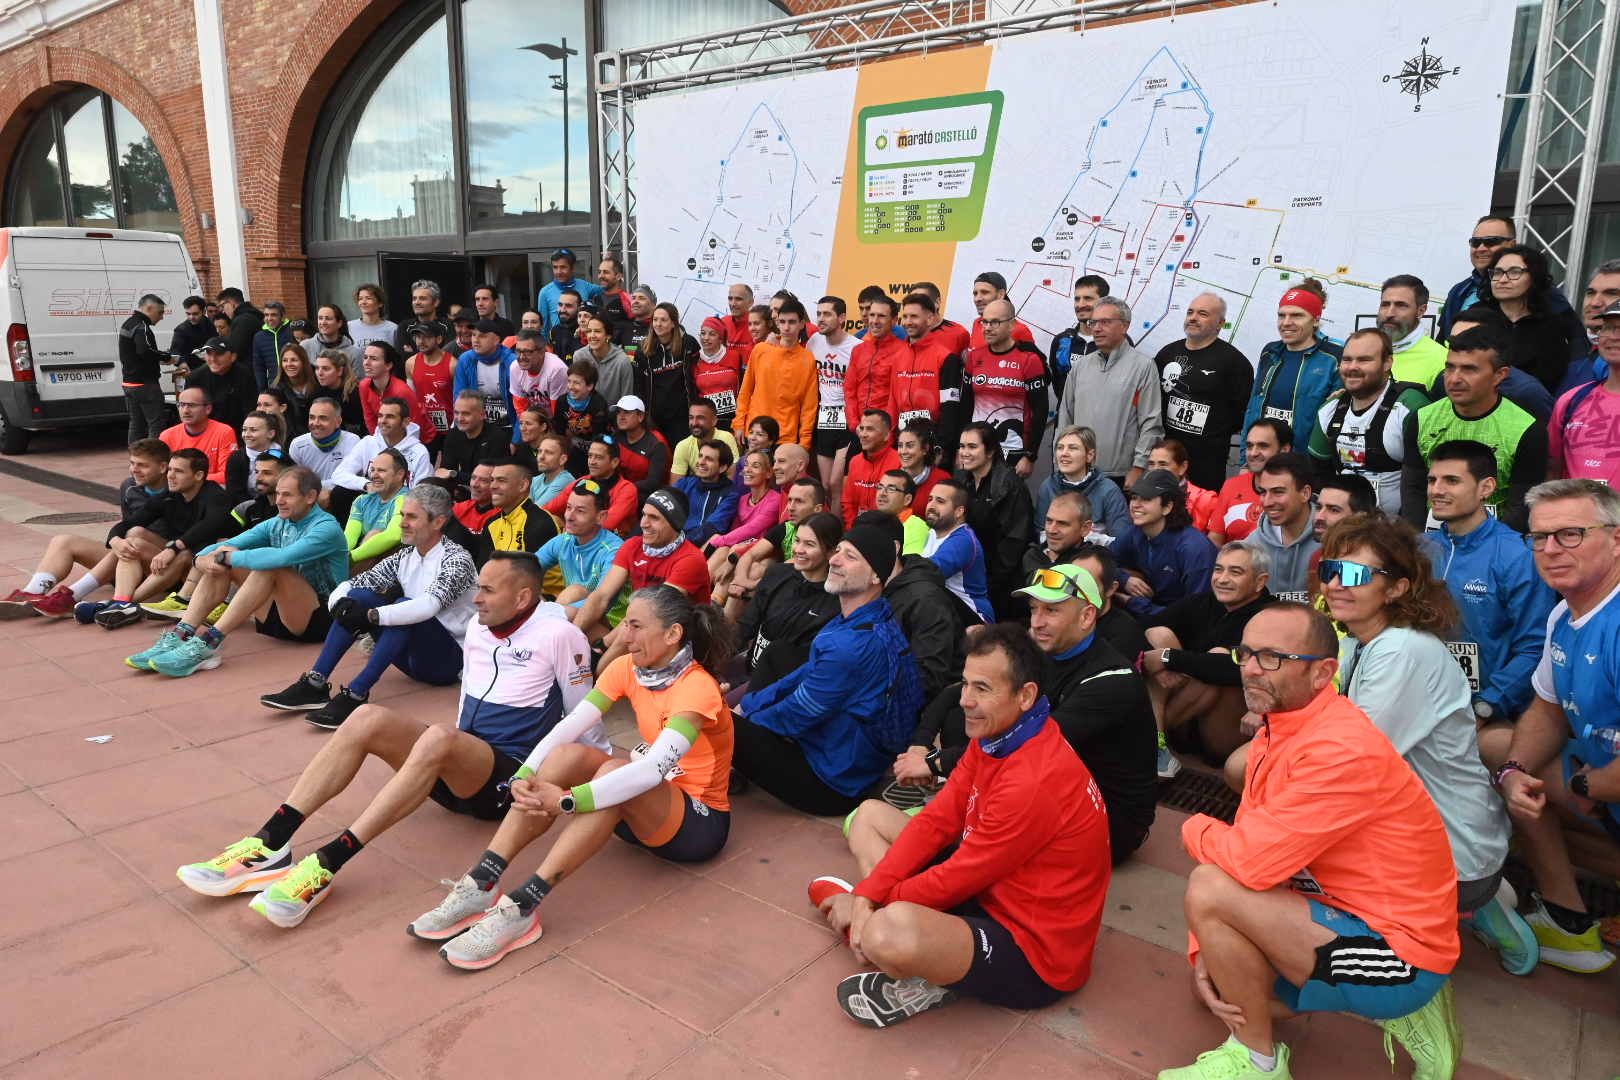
{"points": [[506, 707], [995, 889]]}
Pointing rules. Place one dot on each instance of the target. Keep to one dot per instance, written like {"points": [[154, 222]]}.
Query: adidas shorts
{"points": [[1357, 972]]}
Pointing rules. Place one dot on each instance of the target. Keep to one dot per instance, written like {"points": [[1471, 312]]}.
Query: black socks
{"points": [[528, 897], [1573, 922], [280, 828], [334, 853], [488, 871]]}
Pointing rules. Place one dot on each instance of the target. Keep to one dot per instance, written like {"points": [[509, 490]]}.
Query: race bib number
{"points": [[494, 410], [1467, 657], [1271, 412], [1299, 597], [831, 418], [915, 414], [641, 751], [440, 418], [1188, 416], [761, 643], [725, 401], [1305, 882]]}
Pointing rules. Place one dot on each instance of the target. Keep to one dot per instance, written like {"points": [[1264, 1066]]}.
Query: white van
{"points": [[66, 292]]}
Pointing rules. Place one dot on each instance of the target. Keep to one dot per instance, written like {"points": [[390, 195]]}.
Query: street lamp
{"points": [[559, 51]]}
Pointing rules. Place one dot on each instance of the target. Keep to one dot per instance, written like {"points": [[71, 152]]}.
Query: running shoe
{"points": [[903, 796], [365, 643], [116, 615], [1431, 1035], [191, 655], [876, 1000], [56, 604], [1581, 953], [142, 660], [17, 605], [289, 900], [1500, 927], [172, 606], [85, 611], [309, 692], [464, 906], [1169, 764], [330, 717], [219, 610], [1230, 1061], [823, 887], [503, 929], [245, 866]]}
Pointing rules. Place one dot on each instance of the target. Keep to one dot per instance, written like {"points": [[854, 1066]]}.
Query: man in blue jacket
{"points": [[284, 567], [1297, 372], [710, 493], [819, 738], [267, 344], [1492, 577], [486, 370]]}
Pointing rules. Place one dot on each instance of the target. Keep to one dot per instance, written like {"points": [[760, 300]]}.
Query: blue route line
{"points": [[725, 249]]}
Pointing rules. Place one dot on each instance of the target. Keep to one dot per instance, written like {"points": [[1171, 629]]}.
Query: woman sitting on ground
{"points": [[757, 510]]}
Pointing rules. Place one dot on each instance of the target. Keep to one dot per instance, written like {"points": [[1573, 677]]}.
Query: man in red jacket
{"points": [[739, 341], [995, 890], [867, 467], [871, 364]]}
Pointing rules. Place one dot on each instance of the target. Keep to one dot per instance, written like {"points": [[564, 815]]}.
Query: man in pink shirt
{"points": [[1581, 437]]}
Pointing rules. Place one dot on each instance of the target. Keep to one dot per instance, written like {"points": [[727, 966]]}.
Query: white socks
{"points": [[40, 583], [85, 586]]}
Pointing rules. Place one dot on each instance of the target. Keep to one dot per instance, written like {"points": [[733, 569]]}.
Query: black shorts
{"points": [[487, 803], [320, 621], [701, 835], [1000, 973], [829, 442]]}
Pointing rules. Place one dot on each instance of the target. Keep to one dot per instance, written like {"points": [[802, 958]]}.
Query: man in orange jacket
{"points": [[781, 381], [1334, 890]]}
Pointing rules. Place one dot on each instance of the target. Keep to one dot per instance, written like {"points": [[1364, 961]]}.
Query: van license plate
{"points": [[75, 376]]}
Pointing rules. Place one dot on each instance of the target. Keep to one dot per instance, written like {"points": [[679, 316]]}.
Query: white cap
{"points": [[631, 403]]}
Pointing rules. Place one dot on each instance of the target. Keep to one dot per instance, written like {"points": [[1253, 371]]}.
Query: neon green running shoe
{"points": [[245, 866], [219, 610], [1230, 1061], [170, 607], [1583, 954], [1431, 1035], [142, 660], [290, 900]]}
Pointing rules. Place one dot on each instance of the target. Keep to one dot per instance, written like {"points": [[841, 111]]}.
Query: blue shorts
{"points": [[1357, 972]]}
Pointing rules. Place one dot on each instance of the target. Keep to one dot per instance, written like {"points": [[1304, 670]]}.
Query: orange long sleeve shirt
{"points": [[780, 383]]}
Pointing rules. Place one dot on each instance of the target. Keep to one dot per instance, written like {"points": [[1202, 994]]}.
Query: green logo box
{"points": [[925, 166]]}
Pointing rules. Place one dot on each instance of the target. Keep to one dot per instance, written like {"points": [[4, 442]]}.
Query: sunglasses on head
{"points": [[1049, 578], [1349, 574]]}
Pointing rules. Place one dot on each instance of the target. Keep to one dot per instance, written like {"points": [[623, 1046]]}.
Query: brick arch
{"points": [[56, 70]]}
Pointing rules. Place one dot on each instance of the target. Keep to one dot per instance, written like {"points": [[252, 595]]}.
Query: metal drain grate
{"points": [[1194, 792], [80, 517]]}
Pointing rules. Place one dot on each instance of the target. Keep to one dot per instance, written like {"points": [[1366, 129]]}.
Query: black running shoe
{"points": [[305, 694], [876, 1000], [331, 715], [117, 615]]}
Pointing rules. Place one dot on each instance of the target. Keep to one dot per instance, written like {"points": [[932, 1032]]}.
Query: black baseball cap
{"points": [[488, 326], [213, 344], [1156, 484]]}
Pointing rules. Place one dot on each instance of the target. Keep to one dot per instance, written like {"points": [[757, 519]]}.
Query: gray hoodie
{"points": [[1290, 563], [615, 375]]}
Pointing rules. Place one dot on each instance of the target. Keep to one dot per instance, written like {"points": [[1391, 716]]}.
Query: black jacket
{"points": [[781, 622], [189, 338], [245, 325], [1202, 623], [933, 620], [198, 523], [138, 354], [1002, 516], [234, 393]]}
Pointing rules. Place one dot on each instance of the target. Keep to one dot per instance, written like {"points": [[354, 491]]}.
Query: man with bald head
{"points": [[1334, 888], [790, 462], [1206, 385], [1004, 385]]}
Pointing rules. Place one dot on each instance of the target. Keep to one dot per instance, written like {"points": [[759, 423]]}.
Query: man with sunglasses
{"points": [[1334, 890], [1490, 233], [1552, 766]]}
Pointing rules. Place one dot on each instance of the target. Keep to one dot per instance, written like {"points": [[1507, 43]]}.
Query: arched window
{"points": [[86, 160]]}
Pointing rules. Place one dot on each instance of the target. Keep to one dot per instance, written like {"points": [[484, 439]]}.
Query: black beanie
{"points": [[876, 547], [671, 503]]}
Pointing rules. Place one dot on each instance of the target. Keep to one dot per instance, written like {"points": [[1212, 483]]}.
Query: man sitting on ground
{"points": [[505, 710], [1195, 686], [954, 548], [283, 569], [995, 890], [1068, 523], [1335, 889], [198, 430], [415, 605], [897, 497], [584, 552], [602, 465]]}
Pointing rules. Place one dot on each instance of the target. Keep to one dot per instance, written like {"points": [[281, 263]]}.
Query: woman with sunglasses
{"points": [[1394, 665], [1547, 335]]}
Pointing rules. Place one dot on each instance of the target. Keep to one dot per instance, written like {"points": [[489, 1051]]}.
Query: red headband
{"points": [[719, 327], [1304, 300]]}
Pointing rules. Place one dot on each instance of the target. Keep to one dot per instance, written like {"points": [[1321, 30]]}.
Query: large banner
{"points": [[1234, 151]]}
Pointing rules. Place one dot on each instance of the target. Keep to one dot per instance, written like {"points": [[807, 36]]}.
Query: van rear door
{"points": [[71, 321], [136, 267]]}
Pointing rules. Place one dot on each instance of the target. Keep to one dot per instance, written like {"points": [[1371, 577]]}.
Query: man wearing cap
{"points": [[819, 737], [1114, 391], [1167, 557], [644, 458], [1297, 372], [431, 371], [989, 287], [660, 555], [229, 385], [486, 368], [562, 277], [1581, 437], [628, 334]]}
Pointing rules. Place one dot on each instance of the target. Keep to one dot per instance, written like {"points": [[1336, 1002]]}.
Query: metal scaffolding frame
{"points": [[1568, 97]]}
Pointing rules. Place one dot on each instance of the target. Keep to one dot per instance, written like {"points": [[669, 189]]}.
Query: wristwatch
{"points": [[1484, 710], [932, 758], [567, 803], [1578, 783]]}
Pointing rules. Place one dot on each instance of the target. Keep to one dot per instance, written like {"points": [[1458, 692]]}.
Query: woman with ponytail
{"points": [[669, 798]]}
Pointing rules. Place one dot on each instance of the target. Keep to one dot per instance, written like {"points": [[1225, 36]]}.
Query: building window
{"points": [[86, 160]]}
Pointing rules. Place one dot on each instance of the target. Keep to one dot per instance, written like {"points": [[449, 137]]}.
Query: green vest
{"points": [[1500, 429]]}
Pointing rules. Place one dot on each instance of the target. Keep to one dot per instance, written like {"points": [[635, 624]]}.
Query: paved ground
{"points": [[645, 970]]}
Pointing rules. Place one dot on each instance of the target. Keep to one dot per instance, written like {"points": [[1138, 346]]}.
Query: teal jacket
{"points": [[1318, 377], [314, 545]]}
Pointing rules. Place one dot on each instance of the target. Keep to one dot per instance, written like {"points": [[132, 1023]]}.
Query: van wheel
{"points": [[13, 439]]}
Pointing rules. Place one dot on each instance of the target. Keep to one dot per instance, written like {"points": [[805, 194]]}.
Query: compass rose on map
{"points": [[1422, 74]]}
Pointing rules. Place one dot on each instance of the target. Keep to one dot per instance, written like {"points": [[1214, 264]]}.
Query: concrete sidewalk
{"points": [[646, 969]]}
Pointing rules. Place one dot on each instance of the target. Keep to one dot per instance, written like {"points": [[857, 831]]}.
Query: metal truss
{"points": [[853, 34], [1574, 67]]}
